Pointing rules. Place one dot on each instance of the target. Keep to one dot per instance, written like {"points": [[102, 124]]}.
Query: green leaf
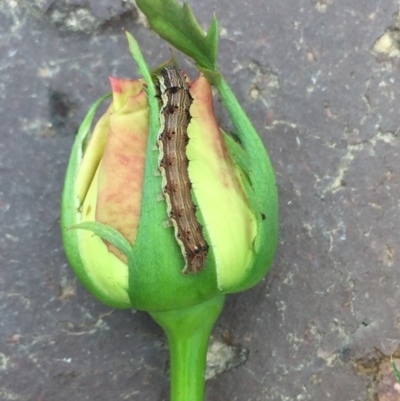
{"points": [[178, 26], [396, 371], [106, 233], [212, 36]]}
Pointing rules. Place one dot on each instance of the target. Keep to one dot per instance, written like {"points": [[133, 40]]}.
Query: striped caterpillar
{"points": [[173, 164]]}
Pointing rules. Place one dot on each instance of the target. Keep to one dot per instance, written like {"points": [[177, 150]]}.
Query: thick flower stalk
{"points": [[164, 212]]}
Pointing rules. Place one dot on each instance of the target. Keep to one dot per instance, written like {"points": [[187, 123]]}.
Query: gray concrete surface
{"points": [[320, 80]]}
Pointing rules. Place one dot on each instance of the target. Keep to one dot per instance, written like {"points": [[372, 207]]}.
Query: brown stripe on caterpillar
{"points": [[173, 164]]}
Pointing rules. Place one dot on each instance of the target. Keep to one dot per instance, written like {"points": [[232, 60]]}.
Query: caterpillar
{"points": [[173, 89]]}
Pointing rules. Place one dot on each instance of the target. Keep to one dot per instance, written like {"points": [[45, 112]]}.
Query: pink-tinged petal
{"points": [[122, 169], [202, 111], [122, 89]]}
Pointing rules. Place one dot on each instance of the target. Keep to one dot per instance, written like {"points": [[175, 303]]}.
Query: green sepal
{"points": [[70, 214], [143, 68], [178, 26], [84, 128], [106, 233], [237, 152]]}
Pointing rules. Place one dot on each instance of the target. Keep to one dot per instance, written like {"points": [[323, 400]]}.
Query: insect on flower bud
{"points": [[117, 182]]}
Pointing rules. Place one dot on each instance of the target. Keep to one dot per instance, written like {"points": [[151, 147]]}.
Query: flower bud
{"points": [[115, 181]]}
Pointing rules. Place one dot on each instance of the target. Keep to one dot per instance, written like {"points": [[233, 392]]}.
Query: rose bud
{"points": [[106, 183], [164, 212]]}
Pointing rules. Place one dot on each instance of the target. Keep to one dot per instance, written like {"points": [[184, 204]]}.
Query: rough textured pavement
{"points": [[320, 80]]}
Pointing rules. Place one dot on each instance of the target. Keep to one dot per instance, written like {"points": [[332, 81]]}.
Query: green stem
{"points": [[188, 331]]}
